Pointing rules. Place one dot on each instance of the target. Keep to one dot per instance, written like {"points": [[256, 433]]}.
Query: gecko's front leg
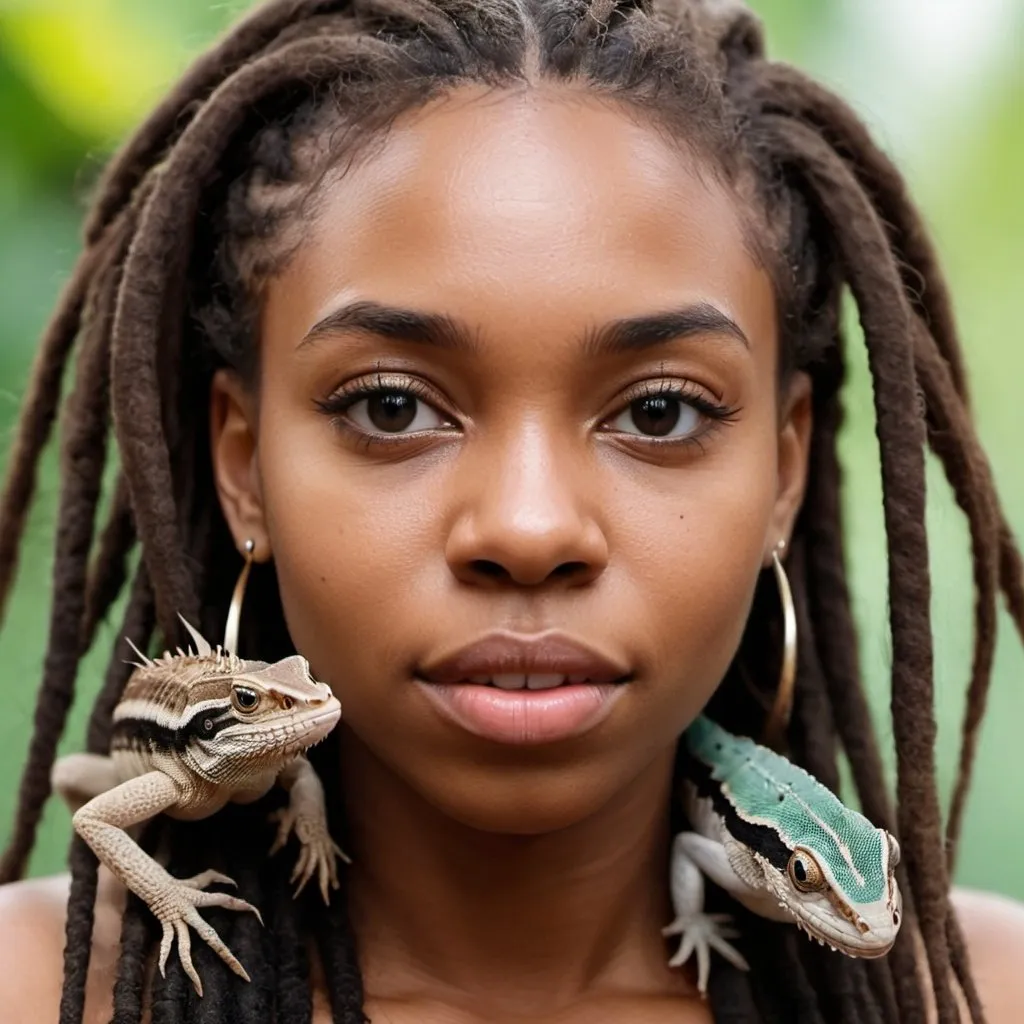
{"points": [[699, 932], [77, 778], [174, 901], [306, 814]]}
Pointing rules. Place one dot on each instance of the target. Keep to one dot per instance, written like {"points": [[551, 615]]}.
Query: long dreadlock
{"points": [[201, 207]]}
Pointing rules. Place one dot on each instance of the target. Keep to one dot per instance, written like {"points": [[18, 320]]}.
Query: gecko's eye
{"points": [[244, 699], [805, 872]]}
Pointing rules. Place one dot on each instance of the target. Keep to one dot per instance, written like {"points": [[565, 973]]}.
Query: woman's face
{"points": [[517, 385]]}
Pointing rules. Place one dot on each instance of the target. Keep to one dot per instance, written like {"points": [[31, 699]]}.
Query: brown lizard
{"points": [[192, 732]]}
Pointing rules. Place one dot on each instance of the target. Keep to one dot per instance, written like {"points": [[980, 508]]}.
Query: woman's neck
{"points": [[524, 922]]}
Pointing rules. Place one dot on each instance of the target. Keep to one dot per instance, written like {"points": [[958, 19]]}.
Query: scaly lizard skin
{"points": [[784, 846], [193, 732]]}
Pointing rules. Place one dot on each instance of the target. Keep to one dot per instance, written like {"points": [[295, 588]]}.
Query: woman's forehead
{"points": [[527, 198]]}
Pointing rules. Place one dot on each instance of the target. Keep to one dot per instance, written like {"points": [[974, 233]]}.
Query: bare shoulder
{"points": [[31, 947], [993, 927], [32, 916]]}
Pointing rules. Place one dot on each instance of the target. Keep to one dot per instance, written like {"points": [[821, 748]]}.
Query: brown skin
{"points": [[496, 883]]}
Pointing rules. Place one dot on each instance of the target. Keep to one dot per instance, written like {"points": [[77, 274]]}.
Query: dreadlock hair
{"points": [[205, 203]]}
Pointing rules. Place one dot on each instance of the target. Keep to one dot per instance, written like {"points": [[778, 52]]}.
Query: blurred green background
{"points": [[940, 82]]}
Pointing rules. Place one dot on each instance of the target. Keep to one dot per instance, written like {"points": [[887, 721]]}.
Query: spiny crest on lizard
{"points": [[214, 709]]}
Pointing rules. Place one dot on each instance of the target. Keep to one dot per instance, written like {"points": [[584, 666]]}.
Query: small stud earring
{"points": [[235, 608], [782, 708]]}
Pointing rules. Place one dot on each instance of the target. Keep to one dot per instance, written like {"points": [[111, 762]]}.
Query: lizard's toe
{"points": [[205, 878], [207, 933], [285, 819], [229, 902], [185, 955], [166, 939]]}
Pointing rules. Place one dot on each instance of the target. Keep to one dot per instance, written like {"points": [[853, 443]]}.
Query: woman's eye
{"points": [[658, 416], [393, 411]]}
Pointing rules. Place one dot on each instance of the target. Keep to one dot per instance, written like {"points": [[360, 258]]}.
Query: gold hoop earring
{"points": [[235, 608], [782, 708]]}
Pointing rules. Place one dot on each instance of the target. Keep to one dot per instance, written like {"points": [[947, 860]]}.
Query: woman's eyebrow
{"points": [[634, 334], [631, 334]]}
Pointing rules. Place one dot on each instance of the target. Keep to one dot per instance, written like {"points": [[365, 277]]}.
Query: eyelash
{"points": [[716, 414]]}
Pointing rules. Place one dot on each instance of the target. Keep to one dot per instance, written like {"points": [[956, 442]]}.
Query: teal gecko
{"points": [[784, 846]]}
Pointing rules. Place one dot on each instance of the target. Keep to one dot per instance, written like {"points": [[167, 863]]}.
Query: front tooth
{"points": [[509, 681], [544, 680]]}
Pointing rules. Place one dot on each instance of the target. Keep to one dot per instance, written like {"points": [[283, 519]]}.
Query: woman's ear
{"points": [[233, 449], [795, 427]]}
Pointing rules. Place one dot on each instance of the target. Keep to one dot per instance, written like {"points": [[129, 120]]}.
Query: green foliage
{"points": [[75, 75]]}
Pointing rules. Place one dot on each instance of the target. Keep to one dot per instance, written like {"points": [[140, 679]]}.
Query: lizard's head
{"points": [[840, 886], [261, 716]]}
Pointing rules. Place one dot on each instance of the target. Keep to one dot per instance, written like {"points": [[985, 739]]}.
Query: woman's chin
{"points": [[517, 800]]}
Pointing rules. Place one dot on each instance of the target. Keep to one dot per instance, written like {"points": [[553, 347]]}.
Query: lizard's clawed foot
{"points": [[176, 910], [318, 849], [701, 933]]}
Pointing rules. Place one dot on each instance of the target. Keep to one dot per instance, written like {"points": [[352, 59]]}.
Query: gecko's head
{"points": [[843, 891], [257, 717]]}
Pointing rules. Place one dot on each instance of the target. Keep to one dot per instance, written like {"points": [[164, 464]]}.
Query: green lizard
{"points": [[193, 732], [784, 846]]}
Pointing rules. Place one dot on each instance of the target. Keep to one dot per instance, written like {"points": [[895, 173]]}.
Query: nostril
{"points": [[569, 569], [492, 570], [896, 918]]}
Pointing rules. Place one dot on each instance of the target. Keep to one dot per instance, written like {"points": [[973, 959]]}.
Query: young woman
{"points": [[508, 333]]}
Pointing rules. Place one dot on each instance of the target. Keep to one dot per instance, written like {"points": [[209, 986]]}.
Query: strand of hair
{"points": [[952, 438], [78, 930], [84, 455], [109, 568], [783, 87], [831, 610], [137, 624], [875, 281], [130, 984], [39, 412]]}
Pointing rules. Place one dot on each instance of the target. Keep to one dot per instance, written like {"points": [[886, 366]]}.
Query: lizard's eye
{"points": [[244, 699], [805, 872]]}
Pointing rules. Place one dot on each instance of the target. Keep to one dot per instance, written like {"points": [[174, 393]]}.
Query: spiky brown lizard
{"points": [[192, 732]]}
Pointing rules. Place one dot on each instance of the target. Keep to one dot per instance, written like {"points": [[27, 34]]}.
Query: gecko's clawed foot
{"points": [[701, 933], [318, 849], [177, 909]]}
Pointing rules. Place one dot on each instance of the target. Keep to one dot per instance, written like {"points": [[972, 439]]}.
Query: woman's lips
{"points": [[501, 652], [524, 689], [523, 716]]}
